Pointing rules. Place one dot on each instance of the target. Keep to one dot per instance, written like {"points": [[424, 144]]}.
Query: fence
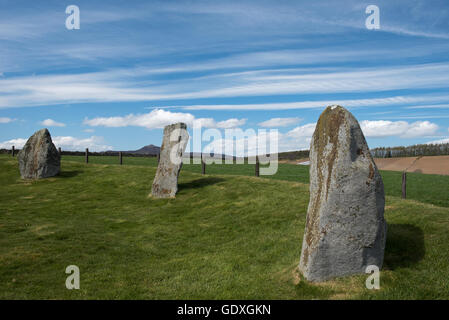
{"points": [[290, 174], [404, 185]]}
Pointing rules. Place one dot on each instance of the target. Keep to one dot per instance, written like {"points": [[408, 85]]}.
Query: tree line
{"points": [[381, 152], [411, 151], [386, 152]]}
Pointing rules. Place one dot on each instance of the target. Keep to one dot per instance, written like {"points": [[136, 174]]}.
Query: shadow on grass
{"points": [[199, 183], [404, 247], [69, 174]]}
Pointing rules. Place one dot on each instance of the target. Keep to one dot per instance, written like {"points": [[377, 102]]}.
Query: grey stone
{"points": [[345, 226], [39, 157], [165, 184]]}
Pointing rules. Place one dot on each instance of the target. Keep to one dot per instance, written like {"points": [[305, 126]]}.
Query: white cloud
{"points": [[298, 138], [89, 130], [94, 143], [302, 131], [52, 123], [17, 143], [6, 120], [231, 123], [204, 122], [244, 143], [279, 122], [383, 128], [441, 141], [159, 118], [403, 129], [420, 129], [65, 142]]}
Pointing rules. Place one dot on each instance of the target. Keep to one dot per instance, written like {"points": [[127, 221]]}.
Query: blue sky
{"points": [[135, 66]]}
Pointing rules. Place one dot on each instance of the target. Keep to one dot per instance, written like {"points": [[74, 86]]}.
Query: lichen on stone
{"points": [[340, 199]]}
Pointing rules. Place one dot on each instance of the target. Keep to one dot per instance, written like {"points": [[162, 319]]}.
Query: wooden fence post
{"points": [[404, 185], [257, 166], [60, 151], [13, 151], [120, 160], [87, 155], [203, 165]]}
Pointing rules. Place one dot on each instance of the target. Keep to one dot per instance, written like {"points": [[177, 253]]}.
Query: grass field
{"points": [[427, 188], [224, 236]]}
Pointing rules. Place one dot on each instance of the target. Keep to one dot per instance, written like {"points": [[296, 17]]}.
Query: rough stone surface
{"points": [[165, 184], [39, 157], [345, 226]]}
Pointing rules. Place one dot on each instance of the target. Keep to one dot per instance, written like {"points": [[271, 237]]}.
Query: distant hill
{"points": [[148, 150]]}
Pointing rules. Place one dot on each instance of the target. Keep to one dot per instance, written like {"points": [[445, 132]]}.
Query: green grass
{"points": [[428, 188], [224, 236], [152, 161]]}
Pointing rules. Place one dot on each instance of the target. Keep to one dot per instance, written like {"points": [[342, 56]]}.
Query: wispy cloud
{"points": [[6, 120], [232, 55], [419, 116], [387, 101], [120, 86], [434, 106], [415, 33]]}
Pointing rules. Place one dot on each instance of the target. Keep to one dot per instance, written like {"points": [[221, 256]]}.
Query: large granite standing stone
{"points": [[165, 184], [39, 157], [345, 226]]}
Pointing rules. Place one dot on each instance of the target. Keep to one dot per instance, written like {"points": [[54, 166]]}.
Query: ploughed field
{"points": [[426, 164], [227, 234]]}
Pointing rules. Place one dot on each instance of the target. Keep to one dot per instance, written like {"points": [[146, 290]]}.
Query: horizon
{"points": [[130, 69]]}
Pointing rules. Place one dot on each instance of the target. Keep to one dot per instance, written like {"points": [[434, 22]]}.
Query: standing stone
{"points": [[165, 184], [345, 226], [39, 157]]}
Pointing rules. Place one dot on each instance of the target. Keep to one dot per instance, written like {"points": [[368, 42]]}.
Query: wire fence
{"points": [[245, 167], [428, 188]]}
